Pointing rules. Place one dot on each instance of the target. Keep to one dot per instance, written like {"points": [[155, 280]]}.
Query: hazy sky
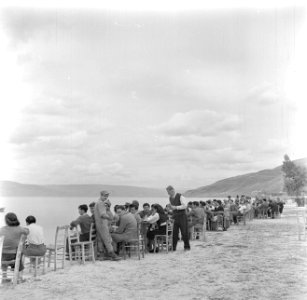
{"points": [[149, 98]]}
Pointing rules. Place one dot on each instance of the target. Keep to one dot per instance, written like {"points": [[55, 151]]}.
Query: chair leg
{"points": [[16, 275], [44, 261], [124, 249], [83, 254], [35, 266], [70, 254], [55, 259], [143, 249], [63, 258], [49, 258], [139, 254], [93, 253]]}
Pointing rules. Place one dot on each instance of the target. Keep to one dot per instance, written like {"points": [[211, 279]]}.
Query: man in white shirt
{"points": [[35, 240], [178, 206]]}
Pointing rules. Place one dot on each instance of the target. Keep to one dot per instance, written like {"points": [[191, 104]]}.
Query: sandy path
{"points": [[263, 260]]}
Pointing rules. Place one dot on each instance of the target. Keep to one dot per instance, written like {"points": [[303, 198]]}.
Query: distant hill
{"points": [[14, 189], [270, 181]]}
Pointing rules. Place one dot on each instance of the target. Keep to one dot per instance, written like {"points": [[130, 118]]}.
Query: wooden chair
{"points": [[15, 273], [197, 231], [165, 241], [82, 250], [93, 238], [138, 244], [38, 261], [57, 252], [203, 236]]}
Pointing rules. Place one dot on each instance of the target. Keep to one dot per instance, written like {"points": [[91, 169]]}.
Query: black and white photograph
{"points": [[153, 150]]}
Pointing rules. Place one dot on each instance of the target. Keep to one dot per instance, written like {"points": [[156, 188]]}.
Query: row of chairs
{"points": [[82, 250], [68, 239], [55, 254]]}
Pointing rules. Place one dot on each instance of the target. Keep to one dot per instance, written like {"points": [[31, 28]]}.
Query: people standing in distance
{"points": [[178, 206]]}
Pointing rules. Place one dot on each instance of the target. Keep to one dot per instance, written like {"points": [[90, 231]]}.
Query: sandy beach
{"points": [[263, 260]]}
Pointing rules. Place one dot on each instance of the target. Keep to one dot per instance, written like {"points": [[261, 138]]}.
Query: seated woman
{"points": [[157, 225], [12, 233], [35, 241]]}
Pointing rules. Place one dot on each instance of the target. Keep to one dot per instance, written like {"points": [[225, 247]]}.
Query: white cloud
{"points": [[265, 94], [100, 99], [199, 123]]}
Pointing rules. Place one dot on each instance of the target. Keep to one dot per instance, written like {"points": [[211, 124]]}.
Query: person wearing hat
{"points": [[136, 203], [101, 221], [180, 218]]}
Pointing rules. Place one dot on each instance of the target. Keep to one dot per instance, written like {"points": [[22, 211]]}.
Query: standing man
{"points": [[102, 228], [180, 218]]}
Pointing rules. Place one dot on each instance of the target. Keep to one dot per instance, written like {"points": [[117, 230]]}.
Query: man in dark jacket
{"points": [[127, 229]]}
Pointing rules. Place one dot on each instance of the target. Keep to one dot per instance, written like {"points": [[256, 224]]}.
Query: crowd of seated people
{"points": [[122, 226], [269, 208]]}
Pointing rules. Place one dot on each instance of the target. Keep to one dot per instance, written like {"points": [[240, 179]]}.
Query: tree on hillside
{"points": [[295, 177]]}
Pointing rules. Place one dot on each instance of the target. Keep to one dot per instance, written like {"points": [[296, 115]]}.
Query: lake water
{"points": [[54, 211]]}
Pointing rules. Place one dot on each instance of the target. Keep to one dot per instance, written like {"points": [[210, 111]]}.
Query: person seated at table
{"points": [[12, 233], [189, 206], [273, 208], [210, 205], [157, 225], [168, 210], [137, 204], [219, 215], [34, 245], [280, 204], [265, 207], [92, 209], [233, 209], [127, 229], [197, 215], [134, 211], [127, 206], [218, 206], [84, 221], [146, 211]]}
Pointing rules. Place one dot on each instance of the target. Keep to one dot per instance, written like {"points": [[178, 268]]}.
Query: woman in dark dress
{"points": [[157, 225], [12, 233]]}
